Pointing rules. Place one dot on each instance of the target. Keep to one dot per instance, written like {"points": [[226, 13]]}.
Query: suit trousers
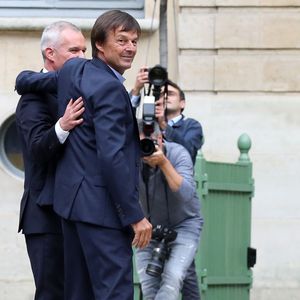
{"points": [[98, 262], [45, 251]]}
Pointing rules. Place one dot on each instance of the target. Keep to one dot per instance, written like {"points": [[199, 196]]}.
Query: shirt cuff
{"points": [[135, 100], [61, 134]]}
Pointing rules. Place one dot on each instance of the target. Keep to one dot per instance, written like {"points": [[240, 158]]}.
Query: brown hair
{"points": [[176, 86], [110, 21]]}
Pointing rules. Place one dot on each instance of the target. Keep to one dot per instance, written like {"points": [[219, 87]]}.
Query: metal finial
{"points": [[244, 145]]}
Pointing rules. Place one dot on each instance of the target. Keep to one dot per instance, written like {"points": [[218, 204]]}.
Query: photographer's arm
{"points": [[159, 159], [174, 179], [178, 170], [141, 79]]}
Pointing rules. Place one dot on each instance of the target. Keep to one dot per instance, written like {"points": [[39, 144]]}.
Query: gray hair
{"points": [[51, 34]]}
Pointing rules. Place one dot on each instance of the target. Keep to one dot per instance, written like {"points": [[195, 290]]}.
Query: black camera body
{"points": [[162, 235], [158, 77]]}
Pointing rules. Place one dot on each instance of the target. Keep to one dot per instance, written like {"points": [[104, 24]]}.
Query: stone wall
{"points": [[239, 65]]}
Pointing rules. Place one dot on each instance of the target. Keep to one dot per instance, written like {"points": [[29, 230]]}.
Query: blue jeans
{"points": [[190, 289], [168, 285]]}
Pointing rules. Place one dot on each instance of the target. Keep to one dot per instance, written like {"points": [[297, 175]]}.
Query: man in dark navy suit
{"points": [[42, 136], [96, 187], [96, 190]]}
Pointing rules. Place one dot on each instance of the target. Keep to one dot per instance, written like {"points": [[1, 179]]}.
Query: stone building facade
{"points": [[238, 62]]}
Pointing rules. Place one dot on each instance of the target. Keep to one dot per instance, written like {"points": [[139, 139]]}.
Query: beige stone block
{"points": [[278, 293], [234, 73], [196, 72], [258, 3], [196, 30], [258, 30], [197, 3], [272, 122], [18, 51], [257, 73], [17, 290], [265, 237]]}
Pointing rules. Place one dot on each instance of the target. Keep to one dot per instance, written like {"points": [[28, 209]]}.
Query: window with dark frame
{"points": [[68, 8], [10, 147]]}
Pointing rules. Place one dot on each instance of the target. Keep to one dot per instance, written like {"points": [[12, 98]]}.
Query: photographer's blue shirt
{"points": [[175, 120]]}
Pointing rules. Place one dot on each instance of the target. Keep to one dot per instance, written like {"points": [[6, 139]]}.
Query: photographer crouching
{"points": [[169, 200]]}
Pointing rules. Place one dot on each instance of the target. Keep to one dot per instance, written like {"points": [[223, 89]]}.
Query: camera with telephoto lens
{"points": [[162, 235], [158, 77]]}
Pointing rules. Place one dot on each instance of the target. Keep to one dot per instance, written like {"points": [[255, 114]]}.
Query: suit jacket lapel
{"points": [[101, 64]]}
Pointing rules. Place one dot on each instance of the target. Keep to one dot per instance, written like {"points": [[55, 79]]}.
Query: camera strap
{"points": [[165, 188], [166, 197], [147, 171], [146, 176]]}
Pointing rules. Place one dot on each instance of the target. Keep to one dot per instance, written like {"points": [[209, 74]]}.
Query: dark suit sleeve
{"points": [[37, 127], [32, 82], [189, 135], [117, 155]]}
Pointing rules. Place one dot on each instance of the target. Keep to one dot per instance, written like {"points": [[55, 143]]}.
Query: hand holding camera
{"points": [[157, 158], [160, 107], [141, 79], [162, 236]]}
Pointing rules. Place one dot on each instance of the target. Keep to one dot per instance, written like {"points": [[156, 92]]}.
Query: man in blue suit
{"points": [[42, 136], [96, 188]]}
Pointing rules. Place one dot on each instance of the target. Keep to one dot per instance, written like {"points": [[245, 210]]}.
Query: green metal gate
{"points": [[224, 258]]}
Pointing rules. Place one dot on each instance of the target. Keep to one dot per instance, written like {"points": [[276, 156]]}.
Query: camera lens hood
{"points": [[158, 75], [147, 147]]}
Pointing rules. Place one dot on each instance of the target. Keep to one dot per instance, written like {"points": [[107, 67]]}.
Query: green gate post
{"points": [[223, 262]]}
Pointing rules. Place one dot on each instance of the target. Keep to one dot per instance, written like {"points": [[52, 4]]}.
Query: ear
{"points": [[49, 53], [159, 140], [182, 104], [99, 46]]}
